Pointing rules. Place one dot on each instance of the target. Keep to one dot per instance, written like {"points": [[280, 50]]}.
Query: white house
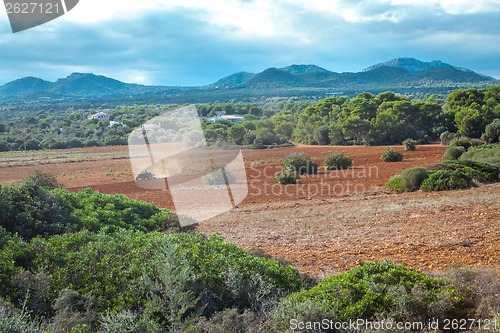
{"points": [[233, 119], [99, 116]]}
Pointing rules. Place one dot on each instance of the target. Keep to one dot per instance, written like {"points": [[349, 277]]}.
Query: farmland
{"points": [[329, 222]]}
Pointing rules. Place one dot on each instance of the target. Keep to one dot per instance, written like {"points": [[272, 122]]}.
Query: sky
{"points": [[197, 42]]}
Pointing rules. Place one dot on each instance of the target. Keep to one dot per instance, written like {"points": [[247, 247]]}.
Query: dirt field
{"points": [[329, 222]]}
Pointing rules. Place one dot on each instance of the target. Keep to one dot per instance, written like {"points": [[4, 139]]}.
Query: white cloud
{"points": [[470, 7]]}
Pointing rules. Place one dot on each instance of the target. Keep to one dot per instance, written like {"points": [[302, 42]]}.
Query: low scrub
{"points": [[453, 152], [337, 161], [409, 180], [486, 154], [385, 290], [391, 155], [410, 144], [287, 177], [443, 180], [300, 163]]}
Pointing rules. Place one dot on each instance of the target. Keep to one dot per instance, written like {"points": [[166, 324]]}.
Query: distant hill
{"points": [[24, 86], [406, 75], [235, 79]]}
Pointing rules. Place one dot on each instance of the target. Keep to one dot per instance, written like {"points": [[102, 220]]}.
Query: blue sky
{"points": [[196, 42]]}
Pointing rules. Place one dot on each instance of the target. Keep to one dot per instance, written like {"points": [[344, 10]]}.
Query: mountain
{"points": [[405, 75], [411, 65], [87, 84], [274, 77], [304, 69], [24, 86], [235, 79]]}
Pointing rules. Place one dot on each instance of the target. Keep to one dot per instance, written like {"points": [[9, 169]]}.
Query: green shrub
{"points": [[482, 172], [395, 183], [18, 323], [43, 179], [409, 180], [410, 144], [492, 132], [486, 154], [286, 177], [337, 161], [385, 290], [453, 152], [391, 155], [466, 142], [300, 163], [443, 180]]}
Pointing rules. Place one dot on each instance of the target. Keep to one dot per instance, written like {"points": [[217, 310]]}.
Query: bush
{"points": [[486, 154], [385, 290], [286, 177], [410, 144], [43, 179], [481, 172], [453, 152], [300, 163], [443, 180], [337, 161], [391, 155], [411, 179], [466, 142]]}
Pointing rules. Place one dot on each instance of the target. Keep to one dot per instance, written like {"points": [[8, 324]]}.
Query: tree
{"points": [[236, 133], [492, 132]]}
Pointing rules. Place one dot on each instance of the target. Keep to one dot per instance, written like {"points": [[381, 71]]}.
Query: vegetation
{"points": [[486, 154], [391, 155], [337, 161], [289, 176], [453, 152], [383, 290], [410, 144], [300, 163], [449, 175]]}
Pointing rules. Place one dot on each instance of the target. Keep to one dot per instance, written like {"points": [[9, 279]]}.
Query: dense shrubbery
{"points": [[33, 210], [486, 154], [337, 161], [449, 175], [391, 155], [384, 290], [410, 144]]}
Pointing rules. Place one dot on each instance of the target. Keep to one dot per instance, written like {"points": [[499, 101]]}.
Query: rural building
{"points": [[99, 116]]}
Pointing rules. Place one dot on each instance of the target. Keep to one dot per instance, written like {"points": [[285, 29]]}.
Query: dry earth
{"points": [[330, 222]]}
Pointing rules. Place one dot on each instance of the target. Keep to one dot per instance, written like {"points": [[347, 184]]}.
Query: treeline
{"points": [[366, 119], [88, 262]]}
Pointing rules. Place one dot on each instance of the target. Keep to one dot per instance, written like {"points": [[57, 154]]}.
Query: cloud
{"points": [[194, 42]]}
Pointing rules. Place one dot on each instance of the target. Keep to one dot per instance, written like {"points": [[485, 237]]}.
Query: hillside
{"points": [[405, 75]]}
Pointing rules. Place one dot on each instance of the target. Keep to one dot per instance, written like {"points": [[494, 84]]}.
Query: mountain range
{"points": [[400, 73]]}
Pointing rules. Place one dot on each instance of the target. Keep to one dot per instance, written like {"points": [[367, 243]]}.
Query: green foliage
{"points": [[482, 172], [391, 155], [300, 163], [410, 144], [287, 177], [486, 154], [337, 161], [32, 210], [443, 180], [446, 137], [18, 323], [43, 179], [385, 290], [453, 152], [409, 180], [492, 132]]}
